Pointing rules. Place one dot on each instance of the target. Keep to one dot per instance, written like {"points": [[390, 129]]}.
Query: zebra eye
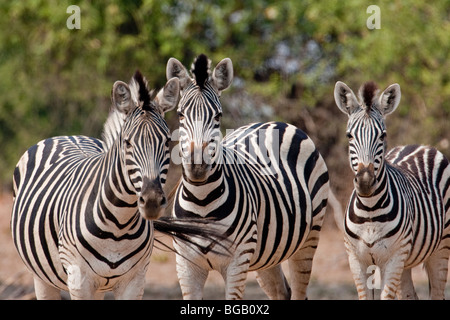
{"points": [[180, 116], [218, 116], [128, 145], [349, 136], [383, 136]]}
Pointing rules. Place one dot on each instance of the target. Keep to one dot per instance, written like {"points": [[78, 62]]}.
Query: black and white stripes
{"points": [[265, 186], [82, 209], [399, 213]]}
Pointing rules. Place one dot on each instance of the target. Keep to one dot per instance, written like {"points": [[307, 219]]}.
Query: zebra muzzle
{"points": [[198, 165], [365, 180], [152, 200]]}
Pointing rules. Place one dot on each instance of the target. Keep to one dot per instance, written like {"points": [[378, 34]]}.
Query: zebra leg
{"points": [[274, 283], [44, 291], [80, 284], [360, 276], [235, 278], [393, 273], [406, 290], [300, 263], [192, 279], [99, 295], [437, 268], [300, 266], [132, 289]]}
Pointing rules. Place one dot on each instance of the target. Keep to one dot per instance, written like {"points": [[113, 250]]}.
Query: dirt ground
{"points": [[331, 278]]}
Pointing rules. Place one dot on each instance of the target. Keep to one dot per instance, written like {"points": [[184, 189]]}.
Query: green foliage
{"points": [[287, 56]]}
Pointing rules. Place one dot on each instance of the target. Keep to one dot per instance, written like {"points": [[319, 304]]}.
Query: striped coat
{"points": [[264, 186], [398, 215], [82, 213]]}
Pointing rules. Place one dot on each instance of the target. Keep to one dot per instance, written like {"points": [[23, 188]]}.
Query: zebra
{"points": [[265, 186], [84, 210], [398, 215]]}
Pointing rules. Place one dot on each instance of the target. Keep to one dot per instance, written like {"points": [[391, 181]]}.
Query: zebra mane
{"points": [[140, 92], [112, 127], [200, 70], [368, 93], [141, 95]]}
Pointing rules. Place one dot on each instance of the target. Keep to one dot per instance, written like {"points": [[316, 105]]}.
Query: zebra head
{"points": [[143, 140], [199, 113], [366, 130]]}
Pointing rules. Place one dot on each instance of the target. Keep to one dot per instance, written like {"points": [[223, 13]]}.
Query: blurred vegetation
{"points": [[287, 56]]}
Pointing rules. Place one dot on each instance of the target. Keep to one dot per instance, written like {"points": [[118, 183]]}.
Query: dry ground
{"points": [[331, 278]]}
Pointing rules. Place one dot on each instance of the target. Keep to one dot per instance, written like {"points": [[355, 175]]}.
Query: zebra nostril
{"points": [[141, 201], [163, 202]]}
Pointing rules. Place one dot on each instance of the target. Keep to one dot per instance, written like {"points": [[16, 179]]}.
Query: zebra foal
{"points": [[83, 210], [398, 215], [265, 187]]}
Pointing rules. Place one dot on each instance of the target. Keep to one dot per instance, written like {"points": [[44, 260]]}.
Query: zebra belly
{"points": [[113, 268], [372, 247], [278, 242]]}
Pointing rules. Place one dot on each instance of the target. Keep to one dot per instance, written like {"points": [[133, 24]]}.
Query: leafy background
{"points": [[287, 56]]}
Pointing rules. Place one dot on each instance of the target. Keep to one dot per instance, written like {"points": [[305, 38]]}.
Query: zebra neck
{"points": [[201, 199], [117, 202], [380, 198]]}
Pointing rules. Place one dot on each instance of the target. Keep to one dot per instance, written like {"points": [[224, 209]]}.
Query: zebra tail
{"points": [[189, 229]]}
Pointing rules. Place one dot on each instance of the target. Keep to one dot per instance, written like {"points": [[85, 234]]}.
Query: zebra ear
{"points": [[222, 75], [168, 97], [121, 97], [390, 99], [175, 69], [345, 98]]}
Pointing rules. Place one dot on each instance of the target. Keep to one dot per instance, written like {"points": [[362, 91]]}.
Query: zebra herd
{"points": [[85, 209]]}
